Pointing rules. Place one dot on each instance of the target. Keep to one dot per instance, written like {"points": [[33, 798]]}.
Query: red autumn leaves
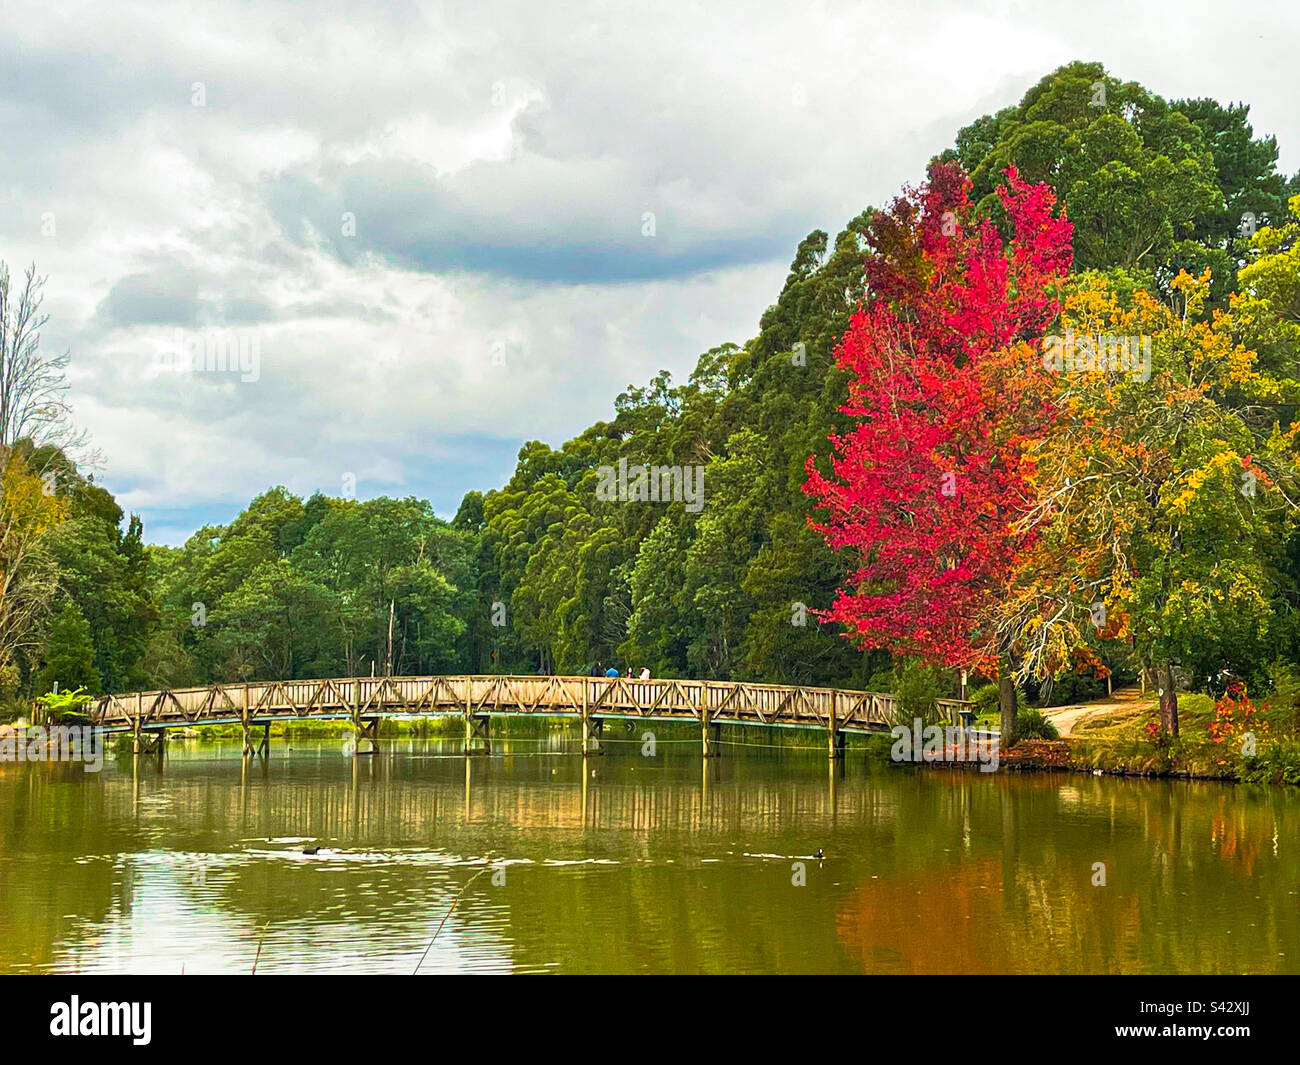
{"points": [[948, 386]]}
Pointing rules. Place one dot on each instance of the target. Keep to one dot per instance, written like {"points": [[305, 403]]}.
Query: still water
{"points": [[622, 863]]}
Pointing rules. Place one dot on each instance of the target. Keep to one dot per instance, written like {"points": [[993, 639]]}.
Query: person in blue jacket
{"points": [[611, 672]]}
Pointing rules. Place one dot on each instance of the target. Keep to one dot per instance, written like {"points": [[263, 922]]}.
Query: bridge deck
{"points": [[706, 702]]}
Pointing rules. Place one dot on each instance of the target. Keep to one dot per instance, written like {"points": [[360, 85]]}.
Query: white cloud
{"points": [[498, 158]]}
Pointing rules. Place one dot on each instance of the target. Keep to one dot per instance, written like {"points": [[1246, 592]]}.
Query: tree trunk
{"points": [[1007, 706], [388, 668], [1168, 701]]}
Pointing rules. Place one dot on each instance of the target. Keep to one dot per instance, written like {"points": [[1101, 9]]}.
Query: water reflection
{"points": [[622, 863]]}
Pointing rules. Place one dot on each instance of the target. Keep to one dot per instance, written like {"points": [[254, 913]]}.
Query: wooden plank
{"points": [[712, 701]]}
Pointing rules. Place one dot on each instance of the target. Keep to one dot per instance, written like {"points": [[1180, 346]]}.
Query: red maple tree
{"points": [[947, 388]]}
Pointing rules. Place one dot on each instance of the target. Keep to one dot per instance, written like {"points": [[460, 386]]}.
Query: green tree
{"points": [[275, 626], [1164, 500], [69, 653], [104, 569], [1268, 306], [1138, 175]]}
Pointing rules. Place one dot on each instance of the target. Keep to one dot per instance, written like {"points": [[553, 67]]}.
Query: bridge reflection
{"points": [[404, 789]]}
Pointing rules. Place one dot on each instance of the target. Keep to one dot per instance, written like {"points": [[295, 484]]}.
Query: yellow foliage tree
{"points": [[29, 509], [1164, 490]]}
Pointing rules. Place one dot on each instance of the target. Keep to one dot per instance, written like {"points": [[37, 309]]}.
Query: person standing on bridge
{"points": [[645, 673], [612, 673]]}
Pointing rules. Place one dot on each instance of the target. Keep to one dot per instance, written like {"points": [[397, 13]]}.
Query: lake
{"points": [[622, 863]]}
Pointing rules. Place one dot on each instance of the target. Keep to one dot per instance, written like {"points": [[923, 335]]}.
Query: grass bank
{"points": [[1128, 743]]}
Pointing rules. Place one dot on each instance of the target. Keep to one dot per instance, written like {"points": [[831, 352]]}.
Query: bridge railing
{"points": [[950, 710], [485, 694]]}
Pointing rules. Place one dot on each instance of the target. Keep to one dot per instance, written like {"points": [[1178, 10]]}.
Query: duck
{"points": [[311, 850], [819, 853]]}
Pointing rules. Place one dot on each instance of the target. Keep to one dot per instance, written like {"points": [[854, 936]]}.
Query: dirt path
{"points": [[1068, 718]]}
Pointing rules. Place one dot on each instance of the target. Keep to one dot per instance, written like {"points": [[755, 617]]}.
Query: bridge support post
{"points": [[262, 746], [591, 727], [365, 735], [478, 728], [837, 743], [250, 747], [143, 745], [836, 739], [364, 732], [708, 735]]}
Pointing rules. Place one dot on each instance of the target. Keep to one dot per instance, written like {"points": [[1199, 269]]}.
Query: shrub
{"points": [[1032, 724], [1236, 718], [1278, 762], [1195, 712], [917, 687], [66, 706], [1195, 704], [1283, 712], [986, 700]]}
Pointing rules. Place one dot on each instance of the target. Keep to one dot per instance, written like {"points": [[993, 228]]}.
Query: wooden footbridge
{"points": [[365, 701]]}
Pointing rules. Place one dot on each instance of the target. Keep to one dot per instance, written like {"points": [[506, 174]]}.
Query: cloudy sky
{"points": [[428, 221]]}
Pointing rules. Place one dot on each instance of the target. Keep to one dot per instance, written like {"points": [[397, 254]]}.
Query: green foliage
{"points": [[1147, 183], [291, 589], [1071, 687], [69, 652], [1032, 724], [1245, 167], [1268, 307], [1278, 762], [65, 706], [1195, 711], [1283, 708], [917, 686], [986, 700]]}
